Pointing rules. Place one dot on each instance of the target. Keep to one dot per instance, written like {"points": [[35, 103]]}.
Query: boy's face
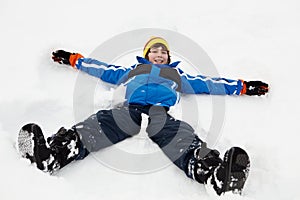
{"points": [[157, 55]]}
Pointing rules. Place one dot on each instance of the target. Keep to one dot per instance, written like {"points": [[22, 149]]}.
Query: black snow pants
{"points": [[107, 127]]}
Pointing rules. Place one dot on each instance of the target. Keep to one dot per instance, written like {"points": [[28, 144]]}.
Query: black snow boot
{"points": [[61, 149], [233, 172], [65, 147], [207, 161], [32, 145], [229, 174]]}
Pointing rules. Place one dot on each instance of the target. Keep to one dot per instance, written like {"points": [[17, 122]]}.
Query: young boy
{"points": [[152, 87]]}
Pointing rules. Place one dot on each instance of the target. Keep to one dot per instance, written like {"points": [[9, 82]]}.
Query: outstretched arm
{"points": [[108, 73], [221, 86]]}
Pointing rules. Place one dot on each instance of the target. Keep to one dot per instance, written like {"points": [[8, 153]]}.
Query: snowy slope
{"points": [[245, 39]]}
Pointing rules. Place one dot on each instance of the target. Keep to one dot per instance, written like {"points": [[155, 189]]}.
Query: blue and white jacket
{"points": [[150, 84]]}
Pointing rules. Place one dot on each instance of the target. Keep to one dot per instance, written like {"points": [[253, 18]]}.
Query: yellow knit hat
{"points": [[154, 40]]}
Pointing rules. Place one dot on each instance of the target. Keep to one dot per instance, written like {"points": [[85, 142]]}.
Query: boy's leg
{"points": [[179, 142], [176, 139], [108, 127]]}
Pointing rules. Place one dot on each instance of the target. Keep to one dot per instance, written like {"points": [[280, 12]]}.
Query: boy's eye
{"points": [[156, 51], [153, 51]]}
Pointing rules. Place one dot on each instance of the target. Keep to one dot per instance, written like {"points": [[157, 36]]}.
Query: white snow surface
{"points": [[252, 40]]}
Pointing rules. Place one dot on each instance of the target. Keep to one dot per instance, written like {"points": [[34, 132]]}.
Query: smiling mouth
{"points": [[159, 61]]}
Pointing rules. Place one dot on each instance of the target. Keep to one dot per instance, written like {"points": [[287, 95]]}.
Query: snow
{"points": [[253, 40]]}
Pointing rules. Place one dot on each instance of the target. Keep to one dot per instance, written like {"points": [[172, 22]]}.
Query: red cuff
{"points": [[244, 89], [73, 58]]}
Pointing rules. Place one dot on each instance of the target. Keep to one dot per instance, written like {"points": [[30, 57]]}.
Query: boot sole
{"points": [[237, 170], [32, 145], [25, 143]]}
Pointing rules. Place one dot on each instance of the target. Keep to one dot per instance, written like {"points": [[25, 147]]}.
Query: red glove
{"points": [[255, 88], [64, 57]]}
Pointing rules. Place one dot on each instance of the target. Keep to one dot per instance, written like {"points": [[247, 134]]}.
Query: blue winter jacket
{"points": [[150, 84]]}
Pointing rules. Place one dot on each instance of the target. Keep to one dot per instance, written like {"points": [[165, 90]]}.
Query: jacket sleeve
{"points": [[108, 73], [206, 85]]}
